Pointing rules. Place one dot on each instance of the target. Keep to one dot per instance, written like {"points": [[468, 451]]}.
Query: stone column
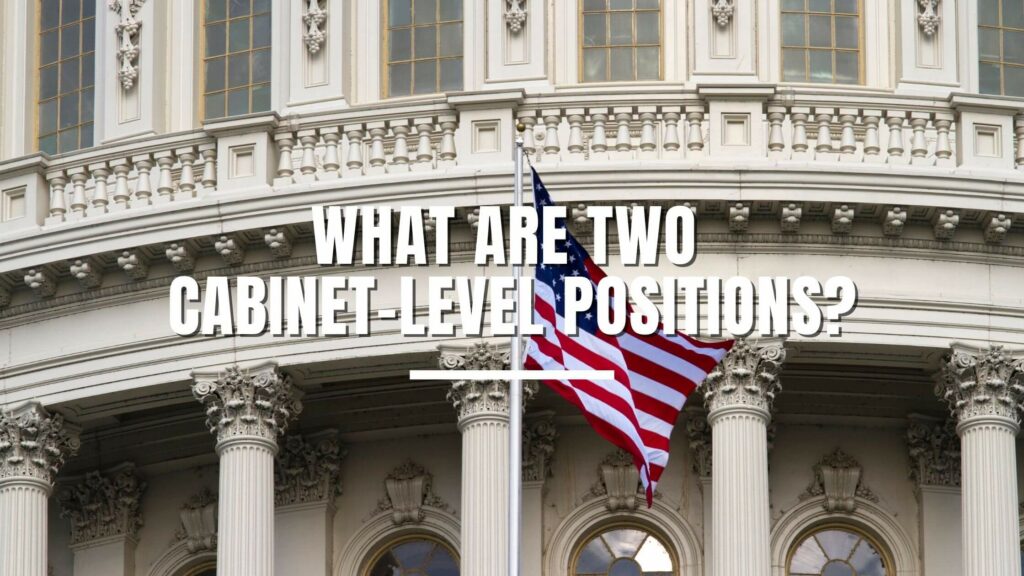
{"points": [[739, 395], [934, 450], [306, 482], [539, 436], [482, 408], [105, 516], [984, 389], [33, 446], [246, 410]]}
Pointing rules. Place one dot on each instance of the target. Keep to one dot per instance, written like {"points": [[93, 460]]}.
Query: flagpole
{"points": [[515, 397]]}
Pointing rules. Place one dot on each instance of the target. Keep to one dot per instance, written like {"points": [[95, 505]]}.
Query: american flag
{"points": [[653, 374]]}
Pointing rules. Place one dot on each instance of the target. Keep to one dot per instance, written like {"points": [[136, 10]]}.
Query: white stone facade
{"points": [[902, 432]]}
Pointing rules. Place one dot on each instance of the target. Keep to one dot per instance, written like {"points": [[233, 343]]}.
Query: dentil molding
{"points": [[934, 449], [104, 504], [747, 376], [34, 444], [978, 383], [308, 469], [256, 402]]}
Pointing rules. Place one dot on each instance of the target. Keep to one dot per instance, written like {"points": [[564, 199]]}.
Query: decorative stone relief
{"points": [[134, 264], [88, 273], [723, 11], [997, 228], [248, 403], [837, 477], [180, 256], [982, 383], [409, 488], [231, 249], [515, 15], [279, 241], [5, 296], [314, 18], [748, 376], [476, 396], [791, 214], [128, 38], [104, 505], [928, 18], [199, 522], [699, 432], [934, 449], [33, 443], [842, 220], [538, 447], [41, 282], [308, 469], [618, 481], [945, 224], [893, 221], [739, 217]]}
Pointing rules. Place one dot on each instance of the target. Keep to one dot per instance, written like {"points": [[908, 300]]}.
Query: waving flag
{"points": [[653, 374]]}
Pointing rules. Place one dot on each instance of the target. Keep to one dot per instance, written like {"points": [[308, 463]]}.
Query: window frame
{"points": [[600, 529], [861, 47], [390, 543], [202, 58], [385, 51], [874, 541], [1002, 63], [196, 571], [580, 38]]}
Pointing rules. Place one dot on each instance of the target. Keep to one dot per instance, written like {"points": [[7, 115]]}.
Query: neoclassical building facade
{"points": [[141, 140]]}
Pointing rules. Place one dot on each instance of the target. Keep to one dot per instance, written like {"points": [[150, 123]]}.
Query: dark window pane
{"points": [[260, 6], [989, 78], [821, 65], [451, 10], [48, 47], [88, 97], [425, 77], [238, 8], [988, 43], [261, 64], [821, 31], [595, 62], [89, 70], [1013, 46], [215, 74], [648, 4], [400, 79], [399, 12], [1014, 80], [594, 30], [238, 37], [48, 117], [451, 75], [216, 10], [238, 102], [1013, 13], [69, 75], [988, 12], [70, 11], [648, 63], [820, 5], [622, 29], [426, 42], [48, 144], [213, 105], [85, 138], [50, 16], [88, 36], [261, 98], [846, 6], [794, 5], [401, 44], [794, 65], [238, 70], [595, 5], [215, 39], [620, 4], [424, 11], [67, 141], [451, 39], [68, 110], [48, 82], [622, 63], [261, 31], [69, 41], [847, 68], [648, 30], [793, 30], [847, 32]]}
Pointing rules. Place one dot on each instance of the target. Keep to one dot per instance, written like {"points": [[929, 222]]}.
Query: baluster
{"points": [[332, 158], [528, 120], [918, 143], [285, 143], [823, 116], [872, 142], [575, 146], [307, 162], [848, 140], [799, 118], [164, 184], [143, 184], [552, 119], [377, 132], [895, 123], [99, 173], [599, 141], [209, 155], [647, 143], [448, 126], [187, 179], [57, 182], [671, 117], [121, 169], [400, 156], [1018, 124], [623, 141], [78, 178], [776, 140], [425, 149], [694, 130], [943, 149], [355, 148]]}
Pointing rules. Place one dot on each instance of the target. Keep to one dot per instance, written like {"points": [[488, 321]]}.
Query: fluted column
{"points": [[984, 389], [246, 410], [483, 411], [33, 446], [739, 395]]}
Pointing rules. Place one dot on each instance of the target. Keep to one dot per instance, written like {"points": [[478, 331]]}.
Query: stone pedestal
{"points": [[246, 410], [739, 395], [984, 390], [33, 446]]}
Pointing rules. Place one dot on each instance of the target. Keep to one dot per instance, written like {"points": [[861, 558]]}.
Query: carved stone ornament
{"points": [[538, 447], [982, 383], [471, 397], [934, 449], [308, 470], [618, 480], [104, 505], [127, 30], [699, 433], [747, 376], [837, 477], [314, 19], [515, 15], [34, 444], [199, 522], [240, 402], [409, 488], [723, 11], [928, 18]]}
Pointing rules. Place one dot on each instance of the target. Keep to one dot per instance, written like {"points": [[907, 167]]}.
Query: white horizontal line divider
{"points": [[592, 375]]}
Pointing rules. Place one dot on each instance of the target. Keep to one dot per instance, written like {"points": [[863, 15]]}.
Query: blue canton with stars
{"points": [[554, 274]]}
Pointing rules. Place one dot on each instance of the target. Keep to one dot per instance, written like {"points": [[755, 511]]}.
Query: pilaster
{"points": [[539, 435], [934, 450]]}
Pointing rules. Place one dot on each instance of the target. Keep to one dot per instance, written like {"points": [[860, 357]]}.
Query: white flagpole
{"points": [[515, 401]]}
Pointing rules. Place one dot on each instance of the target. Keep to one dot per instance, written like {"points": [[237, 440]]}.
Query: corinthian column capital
{"points": [[982, 384], [251, 403], [477, 397], [747, 378], [539, 436], [104, 504], [34, 444]]}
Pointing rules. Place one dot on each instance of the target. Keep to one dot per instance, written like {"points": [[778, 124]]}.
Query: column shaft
{"points": [[485, 496], [245, 538], [740, 523], [990, 539], [23, 528]]}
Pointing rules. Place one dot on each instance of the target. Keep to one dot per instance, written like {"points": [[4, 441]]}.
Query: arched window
{"points": [[415, 556], [209, 569], [624, 551], [838, 551]]}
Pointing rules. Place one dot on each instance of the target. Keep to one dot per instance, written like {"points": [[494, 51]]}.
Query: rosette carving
{"points": [[471, 397], [258, 402], [982, 383], [308, 469], [934, 449], [538, 447], [747, 376], [34, 444], [104, 504]]}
